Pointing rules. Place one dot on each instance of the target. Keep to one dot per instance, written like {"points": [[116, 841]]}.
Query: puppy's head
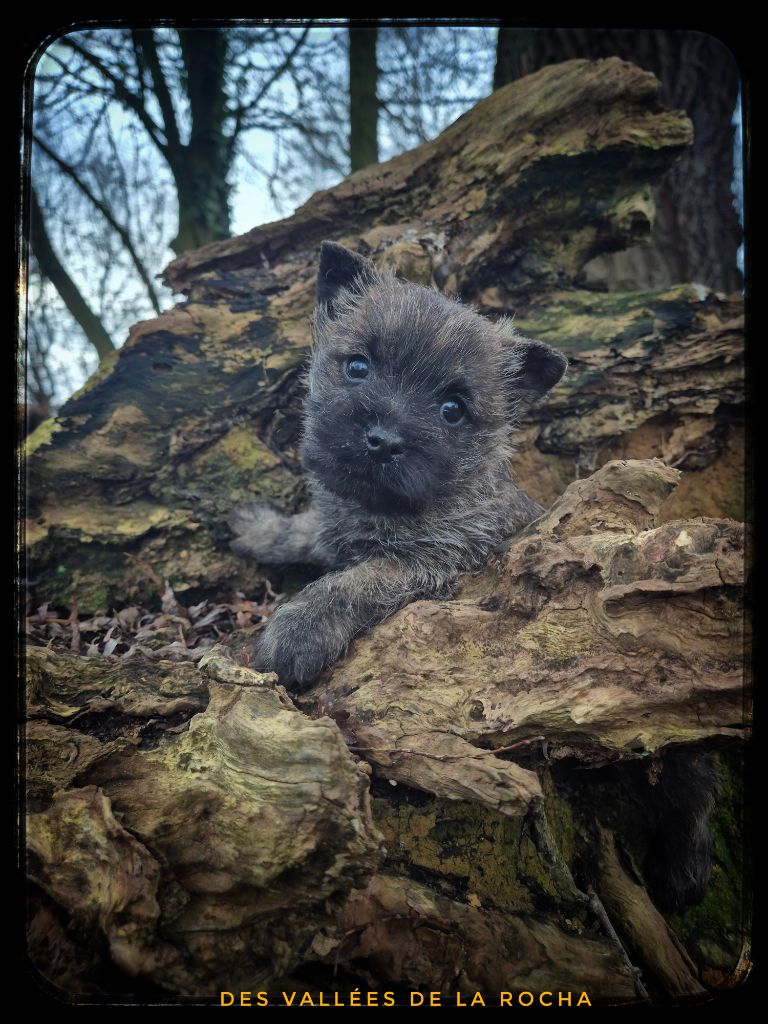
{"points": [[410, 393]]}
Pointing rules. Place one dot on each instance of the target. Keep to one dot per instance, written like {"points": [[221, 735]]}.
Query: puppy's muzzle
{"points": [[383, 445]]}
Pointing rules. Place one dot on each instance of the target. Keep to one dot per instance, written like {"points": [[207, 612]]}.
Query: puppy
{"points": [[412, 398]]}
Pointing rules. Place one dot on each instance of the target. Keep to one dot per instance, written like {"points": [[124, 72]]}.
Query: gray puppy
{"points": [[412, 399]]}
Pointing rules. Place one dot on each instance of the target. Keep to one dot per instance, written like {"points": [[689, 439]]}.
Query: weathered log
{"points": [[201, 407], [181, 828], [405, 930], [184, 846], [191, 829], [595, 633]]}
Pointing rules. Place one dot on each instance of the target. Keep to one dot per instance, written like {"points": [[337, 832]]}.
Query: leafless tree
{"points": [[135, 136]]}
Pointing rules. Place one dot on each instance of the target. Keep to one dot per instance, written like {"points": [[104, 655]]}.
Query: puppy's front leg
{"points": [[315, 627], [276, 539]]}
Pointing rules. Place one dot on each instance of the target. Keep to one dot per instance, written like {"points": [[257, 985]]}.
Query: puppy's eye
{"points": [[357, 368], [453, 411]]}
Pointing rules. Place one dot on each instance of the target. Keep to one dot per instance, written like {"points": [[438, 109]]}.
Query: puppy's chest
{"points": [[353, 537], [448, 539]]}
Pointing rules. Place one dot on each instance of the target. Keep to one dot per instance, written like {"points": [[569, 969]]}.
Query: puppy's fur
{"points": [[403, 499]]}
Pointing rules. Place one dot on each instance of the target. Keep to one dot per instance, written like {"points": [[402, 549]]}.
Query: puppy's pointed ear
{"points": [[341, 268], [532, 369]]}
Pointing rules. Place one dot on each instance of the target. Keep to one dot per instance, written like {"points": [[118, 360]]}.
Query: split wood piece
{"points": [[642, 926], [205, 857]]}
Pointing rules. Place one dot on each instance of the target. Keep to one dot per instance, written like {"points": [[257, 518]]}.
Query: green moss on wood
{"points": [[559, 818], [580, 321], [474, 853], [101, 576], [41, 435], [240, 467]]}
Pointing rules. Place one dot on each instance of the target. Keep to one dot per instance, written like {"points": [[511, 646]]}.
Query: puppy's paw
{"points": [[297, 645], [258, 530]]}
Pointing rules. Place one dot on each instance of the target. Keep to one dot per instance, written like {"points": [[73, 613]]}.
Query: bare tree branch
{"points": [[51, 266], [145, 43], [106, 213], [122, 93], [278, 72]]}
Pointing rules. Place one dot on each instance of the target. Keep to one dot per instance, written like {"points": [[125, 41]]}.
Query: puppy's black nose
{"points": [[383, 445]]}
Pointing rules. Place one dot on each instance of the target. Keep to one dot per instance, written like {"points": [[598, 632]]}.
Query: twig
{"points": [[481, 752], [597, 908]]}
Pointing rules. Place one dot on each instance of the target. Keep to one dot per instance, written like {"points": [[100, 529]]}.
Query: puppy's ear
{"points": [[341, 268], [531, 370]]}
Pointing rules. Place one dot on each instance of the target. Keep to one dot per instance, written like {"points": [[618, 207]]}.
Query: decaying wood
{"points": [[405, 930], [644, 926], [605, 636], [425, 815], [181, 812], [184, 847]]}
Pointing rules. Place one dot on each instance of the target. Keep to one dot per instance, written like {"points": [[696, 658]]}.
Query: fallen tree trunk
{"points": [[461, 804], [182, 813]]}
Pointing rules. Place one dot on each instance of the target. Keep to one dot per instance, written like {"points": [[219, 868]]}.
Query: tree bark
{"points": [[462, 803], [200, 170], [177, 812], [363, 102]]}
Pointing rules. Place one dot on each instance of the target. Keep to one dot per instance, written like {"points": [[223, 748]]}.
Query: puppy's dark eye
{"points": [[453, 411], [357, 368]]}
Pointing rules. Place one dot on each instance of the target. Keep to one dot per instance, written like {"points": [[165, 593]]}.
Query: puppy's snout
{"points": [[383, 445]]}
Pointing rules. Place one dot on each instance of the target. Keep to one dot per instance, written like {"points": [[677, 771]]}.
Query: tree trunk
{"points": [[696, 233], [51, 267], [464, 803], [363, 102], [512, 45], [201, 167]]}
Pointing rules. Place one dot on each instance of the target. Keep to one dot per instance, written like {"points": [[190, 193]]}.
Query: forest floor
{"points": [[173, 632]]}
